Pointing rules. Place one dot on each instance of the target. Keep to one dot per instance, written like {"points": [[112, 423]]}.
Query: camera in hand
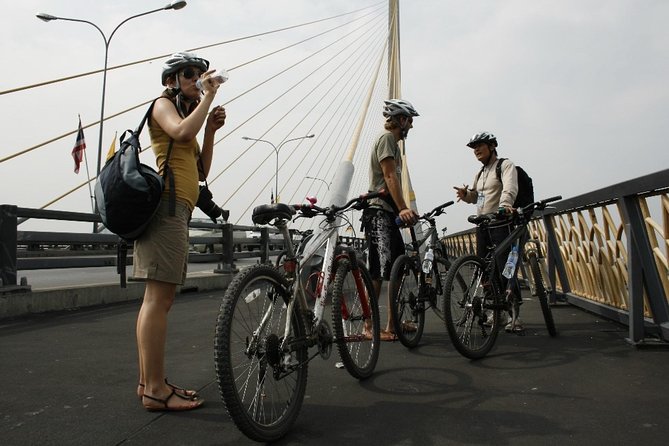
{"points": [[206, 204]]}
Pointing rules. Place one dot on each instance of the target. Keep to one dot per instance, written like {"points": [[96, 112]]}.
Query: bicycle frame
{"points": [[431, 236], [327, 238], [497, 256], [432, 233], [414, 290]]}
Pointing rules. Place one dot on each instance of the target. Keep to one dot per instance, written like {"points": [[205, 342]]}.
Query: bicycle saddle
{"points": [[265, 213], [493, 219], [478, 219]]}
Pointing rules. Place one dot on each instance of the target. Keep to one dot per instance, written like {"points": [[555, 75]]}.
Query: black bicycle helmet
{"points": [[486, 137], [394, 107], [177, 61]]}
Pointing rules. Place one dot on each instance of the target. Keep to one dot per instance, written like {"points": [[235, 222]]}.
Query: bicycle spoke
{"points": [[407, 300], [357, 336], [261, 391], [465, 312]]}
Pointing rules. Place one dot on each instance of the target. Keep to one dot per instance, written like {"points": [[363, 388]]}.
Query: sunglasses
{"points": [[189, 73]]}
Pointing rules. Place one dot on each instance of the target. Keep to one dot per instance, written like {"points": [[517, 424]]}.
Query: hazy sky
{"points": [[575, 90]]}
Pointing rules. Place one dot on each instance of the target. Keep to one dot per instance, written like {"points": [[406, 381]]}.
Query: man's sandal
{"points": [[194, 403], [388, 336]]}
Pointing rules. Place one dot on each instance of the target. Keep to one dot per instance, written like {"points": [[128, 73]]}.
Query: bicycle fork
{"points": [[359, 286]]}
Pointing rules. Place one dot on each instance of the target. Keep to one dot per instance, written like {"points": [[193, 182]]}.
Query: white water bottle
{"points": [[511, 262], [221, 75], [427, 261]]}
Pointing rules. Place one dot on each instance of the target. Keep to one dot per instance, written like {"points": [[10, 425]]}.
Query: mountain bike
{"points": [[475, 298], [417, 285], [265, 327]]}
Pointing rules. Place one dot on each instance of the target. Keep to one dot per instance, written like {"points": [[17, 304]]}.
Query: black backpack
{"points": [[128, 192], [525, 194]]}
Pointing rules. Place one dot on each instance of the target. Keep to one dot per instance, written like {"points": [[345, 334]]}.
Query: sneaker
{"points": [[489, 319], [516, 327]]}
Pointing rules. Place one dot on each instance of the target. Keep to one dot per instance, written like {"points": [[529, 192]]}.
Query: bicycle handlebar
{"points": [[310, 210], [428, 215], [497, 216]]}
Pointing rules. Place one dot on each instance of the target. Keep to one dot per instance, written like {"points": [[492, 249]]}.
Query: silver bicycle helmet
{"points": [[394, 107], [177, 61], [486, 137]]}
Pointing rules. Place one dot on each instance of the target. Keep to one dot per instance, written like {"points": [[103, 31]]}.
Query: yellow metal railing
{"points": [[592, 236]]}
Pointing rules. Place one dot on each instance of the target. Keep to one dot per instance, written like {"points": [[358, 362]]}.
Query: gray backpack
{"points": [[128, 192]]}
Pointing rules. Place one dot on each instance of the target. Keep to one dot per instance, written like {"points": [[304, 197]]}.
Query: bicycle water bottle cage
{"points": [[265, 213]]}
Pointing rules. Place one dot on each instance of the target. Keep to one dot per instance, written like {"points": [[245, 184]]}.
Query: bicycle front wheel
{"points": [[357, 336], [408, 305], [262, 375], [471, 318], [540, 290]]}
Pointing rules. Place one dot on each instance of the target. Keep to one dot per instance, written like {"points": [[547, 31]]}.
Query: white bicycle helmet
{"points": [[177, 61], [486, 137], [394, 107]]}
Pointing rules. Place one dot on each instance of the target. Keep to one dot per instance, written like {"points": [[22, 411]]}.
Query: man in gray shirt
{"points": [[384, 239]]}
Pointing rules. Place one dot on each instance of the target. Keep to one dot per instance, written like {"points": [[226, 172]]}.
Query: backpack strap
{"points": [[121, 256], [498, 171], [498, 168], [168, 176], [146, 117]]}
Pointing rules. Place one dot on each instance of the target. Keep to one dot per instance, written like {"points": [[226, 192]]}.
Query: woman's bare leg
{"points": [[151, 338]]}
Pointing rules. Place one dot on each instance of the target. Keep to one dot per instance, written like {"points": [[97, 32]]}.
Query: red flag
{"points": [[79, 147]]}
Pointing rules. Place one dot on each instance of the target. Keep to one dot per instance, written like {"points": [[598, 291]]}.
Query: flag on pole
{"points": [[112, 148], [79, 147]]}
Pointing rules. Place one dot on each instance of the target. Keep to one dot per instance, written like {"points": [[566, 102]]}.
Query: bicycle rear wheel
{"points": [[471, 318], [358, 348], [408, 306], [540, 290], [261, 378]]}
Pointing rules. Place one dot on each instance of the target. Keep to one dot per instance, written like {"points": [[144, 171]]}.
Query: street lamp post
{"points": [[276, 151], [320, 179], [47, 18]]}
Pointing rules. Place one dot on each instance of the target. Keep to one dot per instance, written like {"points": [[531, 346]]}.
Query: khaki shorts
{"points": [[161, 253]]}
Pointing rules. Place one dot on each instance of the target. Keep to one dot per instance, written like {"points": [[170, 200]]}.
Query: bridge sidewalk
{"points": [[69, 378]]}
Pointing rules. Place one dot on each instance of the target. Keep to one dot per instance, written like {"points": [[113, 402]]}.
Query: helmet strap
{"points": [[404, 127]]}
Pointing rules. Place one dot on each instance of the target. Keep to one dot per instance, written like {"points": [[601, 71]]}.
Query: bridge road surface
{"points": [[70, 379]]}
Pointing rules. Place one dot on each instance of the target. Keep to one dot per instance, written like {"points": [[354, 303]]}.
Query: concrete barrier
{"points": [[23, 302]]}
